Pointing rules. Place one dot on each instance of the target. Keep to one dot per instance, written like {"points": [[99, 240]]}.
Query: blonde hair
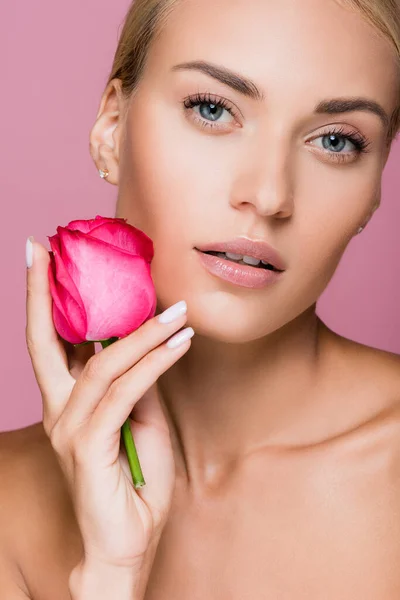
{"points": [[145, 20]]}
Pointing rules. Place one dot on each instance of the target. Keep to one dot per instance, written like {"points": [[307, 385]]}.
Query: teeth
{"points": [[234, 256], [250, 260]]}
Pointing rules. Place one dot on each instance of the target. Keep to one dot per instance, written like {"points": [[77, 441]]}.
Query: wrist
{"points": [[96, 580]]}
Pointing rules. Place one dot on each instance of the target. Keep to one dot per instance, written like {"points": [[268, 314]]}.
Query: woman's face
{"points": [[262, 168]]}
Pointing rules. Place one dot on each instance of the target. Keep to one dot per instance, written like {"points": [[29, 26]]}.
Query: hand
{"points": [[86, 399]]}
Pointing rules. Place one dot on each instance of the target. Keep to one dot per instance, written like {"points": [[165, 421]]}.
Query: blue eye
{"points": [[210, 109], [215, 111], [337, 138]]}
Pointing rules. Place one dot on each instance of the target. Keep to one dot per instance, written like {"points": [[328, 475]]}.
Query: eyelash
{"points": [[192, 101], [360, 142]]}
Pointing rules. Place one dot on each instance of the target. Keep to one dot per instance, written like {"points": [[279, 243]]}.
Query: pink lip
{"points": [[247, 247], [243, 275]]}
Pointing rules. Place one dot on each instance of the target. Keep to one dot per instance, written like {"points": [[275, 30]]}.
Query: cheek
{"points": [[330, 204], [155, 181], [173, 178], [332, 201], [168, 190]]}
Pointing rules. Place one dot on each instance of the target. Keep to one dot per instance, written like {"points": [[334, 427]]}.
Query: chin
{"points": [[226, 318]]}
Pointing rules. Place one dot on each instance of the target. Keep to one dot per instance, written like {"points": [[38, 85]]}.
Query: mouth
{"points": [[239, 270], [242, 260], [242, 250]]}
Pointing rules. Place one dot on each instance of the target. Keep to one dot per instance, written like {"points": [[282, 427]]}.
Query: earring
{"points": [[360, 229], [104, 173]]}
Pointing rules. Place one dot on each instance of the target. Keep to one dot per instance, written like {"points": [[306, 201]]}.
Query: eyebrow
{"points": [[249, 88]]}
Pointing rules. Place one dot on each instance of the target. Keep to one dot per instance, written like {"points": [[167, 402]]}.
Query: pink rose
{"points": [[100, 279]]}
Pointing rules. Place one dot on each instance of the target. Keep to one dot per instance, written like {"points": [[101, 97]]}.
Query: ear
{"points": [[105, 135], [386, 153], [373, 209]]}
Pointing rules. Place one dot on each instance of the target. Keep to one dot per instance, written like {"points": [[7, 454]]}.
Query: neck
{"points": [[225, 402]]}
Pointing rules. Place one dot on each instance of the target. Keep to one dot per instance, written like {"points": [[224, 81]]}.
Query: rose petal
{"points": [[65, 290], [64, 328], [153, 307], [125, 237], [88, 224], [115, 287], [118, 232]]}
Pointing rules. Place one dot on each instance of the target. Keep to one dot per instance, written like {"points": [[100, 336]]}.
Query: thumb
{"points": [[46, 350]]}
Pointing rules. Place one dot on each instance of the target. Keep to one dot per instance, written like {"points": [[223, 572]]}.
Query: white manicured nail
{"points": [[29, 251], [173, 312], [180, 337]]}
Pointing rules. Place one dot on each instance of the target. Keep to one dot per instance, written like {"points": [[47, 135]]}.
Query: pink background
{"points": [[56, 59]]}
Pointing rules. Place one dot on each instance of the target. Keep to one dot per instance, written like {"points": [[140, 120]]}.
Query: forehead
{"points": [[285, 46]]}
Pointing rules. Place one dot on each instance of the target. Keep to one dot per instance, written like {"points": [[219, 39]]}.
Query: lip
{"points": [[243, 275], [247, 247]]}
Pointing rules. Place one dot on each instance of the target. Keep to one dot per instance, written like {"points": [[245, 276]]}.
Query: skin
{"points": [[227, 184], [296, 494]]}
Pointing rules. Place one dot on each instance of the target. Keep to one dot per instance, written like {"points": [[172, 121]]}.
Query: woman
{"points": [[270, 444]]}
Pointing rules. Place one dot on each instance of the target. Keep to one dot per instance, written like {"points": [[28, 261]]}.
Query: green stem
{"points": [[126, 436]]}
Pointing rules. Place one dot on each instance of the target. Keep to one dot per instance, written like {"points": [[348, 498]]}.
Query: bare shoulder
{"points": [[37, 521], [367, 382], [30, 476], [377, 368]]}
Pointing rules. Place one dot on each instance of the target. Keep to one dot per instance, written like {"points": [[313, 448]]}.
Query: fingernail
{"points": [[173, 312], [29, 251], [180, 337]]}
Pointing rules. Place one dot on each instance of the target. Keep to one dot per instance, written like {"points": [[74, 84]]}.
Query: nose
{"points": [[263, 182]]}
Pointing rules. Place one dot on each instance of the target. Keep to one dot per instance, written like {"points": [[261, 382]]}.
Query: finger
{"points": [[121, 397], [45, 348], [149, 410], [78, 357], [158, 465], [112, 362]]}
